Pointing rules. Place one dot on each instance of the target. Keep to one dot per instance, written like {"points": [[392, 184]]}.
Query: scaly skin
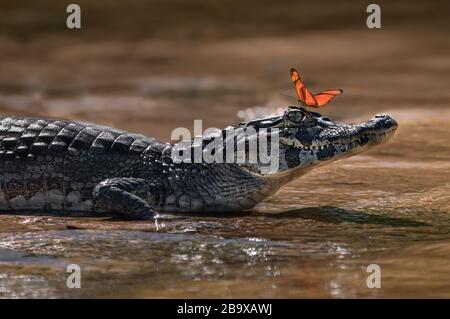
{"points": [[56, 165]]}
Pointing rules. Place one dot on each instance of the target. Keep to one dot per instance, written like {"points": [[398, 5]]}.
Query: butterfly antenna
{"points": [[287, 95]]}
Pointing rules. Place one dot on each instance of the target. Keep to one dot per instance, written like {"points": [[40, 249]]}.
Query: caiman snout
{"points": [[308, 139], [380, 128], [384, 121]]}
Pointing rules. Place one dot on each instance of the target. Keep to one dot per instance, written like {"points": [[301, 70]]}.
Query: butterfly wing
{"points": [[298, 84], [325, 97], [304, 95]]}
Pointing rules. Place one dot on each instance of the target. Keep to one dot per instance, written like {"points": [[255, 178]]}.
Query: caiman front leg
{"points": [[119, 197]]}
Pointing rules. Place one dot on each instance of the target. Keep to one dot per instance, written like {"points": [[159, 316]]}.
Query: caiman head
{"points": [[307, 139]]}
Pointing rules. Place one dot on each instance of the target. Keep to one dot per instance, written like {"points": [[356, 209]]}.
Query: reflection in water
{"points": [[336, 215]]}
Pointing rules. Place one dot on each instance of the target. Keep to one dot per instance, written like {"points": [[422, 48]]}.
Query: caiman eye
{"points": [[295, 117]]}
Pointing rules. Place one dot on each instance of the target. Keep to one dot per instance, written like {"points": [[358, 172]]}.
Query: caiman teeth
{"points": [[353, 141]]}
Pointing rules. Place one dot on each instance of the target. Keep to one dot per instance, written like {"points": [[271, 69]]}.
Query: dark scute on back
{"points": [[22, 136]]}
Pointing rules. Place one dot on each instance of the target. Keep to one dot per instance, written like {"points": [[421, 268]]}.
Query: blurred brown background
{"points": [[150, 66]]}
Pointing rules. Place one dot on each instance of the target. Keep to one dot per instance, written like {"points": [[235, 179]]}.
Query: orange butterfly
{"points": [[306, 97]]}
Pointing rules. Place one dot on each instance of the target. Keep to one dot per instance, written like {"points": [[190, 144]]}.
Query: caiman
{"points": [[62, 166]]}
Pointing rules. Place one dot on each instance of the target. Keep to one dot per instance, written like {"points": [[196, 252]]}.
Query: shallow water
{"points": [[315, 238]]}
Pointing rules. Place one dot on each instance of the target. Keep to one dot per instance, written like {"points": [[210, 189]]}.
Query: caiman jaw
{"points": [[324, 141], [380, 129], [308, 139], [343, 141]]}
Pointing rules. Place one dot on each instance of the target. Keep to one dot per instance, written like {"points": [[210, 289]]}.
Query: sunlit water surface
{"points": [[315, 238]]}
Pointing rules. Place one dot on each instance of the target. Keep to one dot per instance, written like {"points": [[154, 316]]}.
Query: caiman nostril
{"points": [[381, 122]]}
